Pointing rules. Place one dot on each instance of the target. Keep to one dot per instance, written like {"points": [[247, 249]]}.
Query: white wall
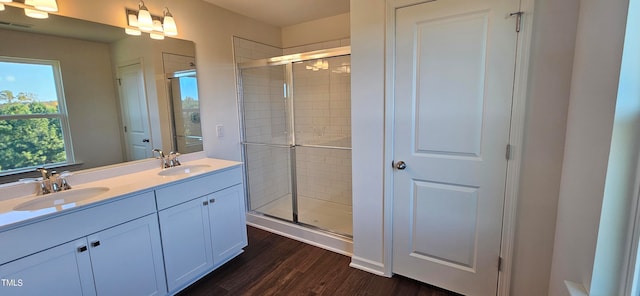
{"points": [[553, 40], [325, 29], [620, 185], [594, 86], [367, 125]]}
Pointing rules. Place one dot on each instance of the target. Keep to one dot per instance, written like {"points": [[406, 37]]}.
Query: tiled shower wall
{"points": [[322, 103]]}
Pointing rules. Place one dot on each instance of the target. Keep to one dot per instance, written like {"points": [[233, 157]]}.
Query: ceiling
{"points": [[282, 13]]}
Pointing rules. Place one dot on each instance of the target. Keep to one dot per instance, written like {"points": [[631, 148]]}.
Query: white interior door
{"points": [[135, 115], [454, 68]]}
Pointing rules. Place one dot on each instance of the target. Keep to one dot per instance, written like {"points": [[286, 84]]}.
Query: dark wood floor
{"points": [[275, 265]]}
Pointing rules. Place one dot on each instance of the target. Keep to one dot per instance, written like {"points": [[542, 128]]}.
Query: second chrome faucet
{"points": [[52, 181], [168, 161]]}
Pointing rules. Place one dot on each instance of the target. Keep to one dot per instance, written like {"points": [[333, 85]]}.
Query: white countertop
{"points": [[120, 179]]}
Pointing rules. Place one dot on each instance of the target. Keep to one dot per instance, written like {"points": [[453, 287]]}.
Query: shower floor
{"points": [[323, 214]]}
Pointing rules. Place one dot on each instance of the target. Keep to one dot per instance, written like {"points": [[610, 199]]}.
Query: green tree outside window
{"points": [[31, 128]]}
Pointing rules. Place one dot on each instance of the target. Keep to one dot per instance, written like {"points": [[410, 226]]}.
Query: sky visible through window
{"points": [[189, 88], [28, 78]]}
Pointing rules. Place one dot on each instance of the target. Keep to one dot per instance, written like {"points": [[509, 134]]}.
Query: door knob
{"points": [[400, 165], [145, 140]]}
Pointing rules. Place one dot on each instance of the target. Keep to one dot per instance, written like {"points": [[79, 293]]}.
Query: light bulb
{"points": [[169, 24], [132, 19], [145, 23], [46, 5], [1, 7], [132, 32], [156, 36], [157, 26], [35, 13]]}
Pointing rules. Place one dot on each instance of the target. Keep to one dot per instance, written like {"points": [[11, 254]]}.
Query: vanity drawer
{"points": [[51, 232], [178, 193]]}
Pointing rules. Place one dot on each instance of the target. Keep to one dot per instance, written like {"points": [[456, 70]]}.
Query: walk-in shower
{"points": [[296, 112]]}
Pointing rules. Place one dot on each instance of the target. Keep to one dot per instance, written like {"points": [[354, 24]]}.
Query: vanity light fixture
{"points": [[33, 8], [143, 21]]}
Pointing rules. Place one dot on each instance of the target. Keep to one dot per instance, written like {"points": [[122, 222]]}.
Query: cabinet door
{"points": [[228, 223], [62, 270], [127, 259], [186, 241]]}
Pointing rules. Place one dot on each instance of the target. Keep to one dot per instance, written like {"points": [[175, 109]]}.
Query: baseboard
{"points": [[368, 266], [306, 235]]}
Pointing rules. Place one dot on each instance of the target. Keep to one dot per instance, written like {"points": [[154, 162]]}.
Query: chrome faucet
{"points": [[52, 181], [173, 159], [164, 163], [167, 161]]}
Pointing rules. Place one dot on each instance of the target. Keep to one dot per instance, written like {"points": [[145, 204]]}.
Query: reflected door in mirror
{"points": [[135, 115]]}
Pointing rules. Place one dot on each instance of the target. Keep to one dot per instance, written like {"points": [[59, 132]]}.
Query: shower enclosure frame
{"points": [[287, 61]]}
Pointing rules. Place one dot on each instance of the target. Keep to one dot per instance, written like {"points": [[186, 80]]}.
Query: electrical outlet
{"points": [[220, 130]]}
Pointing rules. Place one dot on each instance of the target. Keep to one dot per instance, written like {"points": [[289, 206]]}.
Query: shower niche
{"points": [[296, 112]]}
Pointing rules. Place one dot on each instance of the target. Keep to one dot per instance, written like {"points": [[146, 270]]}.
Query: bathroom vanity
{"points": [[146, 231]]}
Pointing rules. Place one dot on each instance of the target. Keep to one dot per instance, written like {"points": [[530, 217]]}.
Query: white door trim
{"points": [[516, 137]]}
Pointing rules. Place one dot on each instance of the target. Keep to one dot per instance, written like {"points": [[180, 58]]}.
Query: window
{"points": [[34, 130]]}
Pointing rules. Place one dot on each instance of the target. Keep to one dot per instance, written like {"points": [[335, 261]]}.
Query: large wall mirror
{"points": [[122, 95]]}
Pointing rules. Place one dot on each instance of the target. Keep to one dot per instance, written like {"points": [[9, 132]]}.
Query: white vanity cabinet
{"points": [[152, 238], [228, 223], [202, 222], [186, 242], [62, 270], [125, 259]]}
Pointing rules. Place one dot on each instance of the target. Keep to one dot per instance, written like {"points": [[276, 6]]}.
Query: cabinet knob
{"points": [[82, 249], [204, 203], [212, 200], [95, 244]]}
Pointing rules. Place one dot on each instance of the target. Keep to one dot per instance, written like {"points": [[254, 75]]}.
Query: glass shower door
{"points": [[267, 141], [297, 138], [322, 125]]}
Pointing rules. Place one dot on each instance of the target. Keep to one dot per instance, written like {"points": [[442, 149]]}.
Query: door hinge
{"points": [[499, 263], [518, 19], [507, 154]]}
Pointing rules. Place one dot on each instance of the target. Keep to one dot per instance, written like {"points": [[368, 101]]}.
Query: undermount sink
{"points": [[61, 198], [184, 169]]}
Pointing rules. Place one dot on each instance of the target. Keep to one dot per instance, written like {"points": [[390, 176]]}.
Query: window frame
{"points": [[62, 114]]}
